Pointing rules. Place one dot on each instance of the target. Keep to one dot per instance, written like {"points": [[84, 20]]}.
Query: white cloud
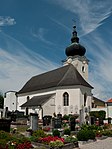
{"points": [[5, 21], [90, 13], [59, 23], [40, 34], [101, 65], [18, 64]]}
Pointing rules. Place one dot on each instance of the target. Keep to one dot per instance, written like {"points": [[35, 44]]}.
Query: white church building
{"points": [[64, 90]]}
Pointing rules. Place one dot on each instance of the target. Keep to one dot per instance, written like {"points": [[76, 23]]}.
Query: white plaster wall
{"points": [[78, 62], [49, 107], [110, 111], [89, 96], [55, 104], [10, 101], [74, 101], [23, 99]]}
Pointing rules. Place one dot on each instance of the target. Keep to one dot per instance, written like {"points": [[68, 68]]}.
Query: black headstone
{"points": [[5, 125], [57, 122]]}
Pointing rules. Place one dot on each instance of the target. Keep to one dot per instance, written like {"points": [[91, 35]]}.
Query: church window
{"points": [[83, 69], [85, 99], [66, 99]]}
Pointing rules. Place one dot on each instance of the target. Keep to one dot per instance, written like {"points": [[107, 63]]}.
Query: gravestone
{"points": [[34, 121], [92, 120], [46, 120], [109, 120], [5, 125], [72, 124], [56, 122]]}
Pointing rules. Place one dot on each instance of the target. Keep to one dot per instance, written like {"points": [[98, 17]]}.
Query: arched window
{"points": [[83, 69], [85, 98], [66, 99]]}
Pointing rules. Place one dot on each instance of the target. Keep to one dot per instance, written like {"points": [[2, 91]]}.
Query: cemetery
{"points": [[50, 133]]}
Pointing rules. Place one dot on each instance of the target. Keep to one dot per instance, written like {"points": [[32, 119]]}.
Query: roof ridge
{"points": [[48, 71], [70, 65]]}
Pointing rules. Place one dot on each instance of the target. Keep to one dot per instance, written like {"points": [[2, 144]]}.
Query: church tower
{"points": [[75, 53]]}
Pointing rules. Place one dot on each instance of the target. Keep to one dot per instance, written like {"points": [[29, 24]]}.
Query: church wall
{"points": [[23, 99], [110, 111], [80, 63], [74, 101], [49, 107], [85, 107], [89, 96]]}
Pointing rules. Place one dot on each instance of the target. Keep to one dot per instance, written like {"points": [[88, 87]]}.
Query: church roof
{"points": [[110, 100], [99, 102], [37, 100], [63, 76]]}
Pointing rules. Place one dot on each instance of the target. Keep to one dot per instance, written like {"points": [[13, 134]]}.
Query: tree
{"points": [[1, 101]]}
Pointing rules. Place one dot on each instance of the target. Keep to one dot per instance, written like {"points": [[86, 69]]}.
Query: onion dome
{"points": [[75, 48]]}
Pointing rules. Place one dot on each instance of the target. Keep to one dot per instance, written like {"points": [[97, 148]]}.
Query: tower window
{"points": [[83, 69], [66, 99]]}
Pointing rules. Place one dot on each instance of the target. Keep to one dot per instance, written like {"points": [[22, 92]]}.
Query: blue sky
{"points": [[35, 33]]}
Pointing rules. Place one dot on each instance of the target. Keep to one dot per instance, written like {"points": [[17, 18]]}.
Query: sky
{"points": [[35, 33]]}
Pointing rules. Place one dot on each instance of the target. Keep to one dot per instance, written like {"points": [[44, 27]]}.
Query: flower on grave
{"points": [[48, 139], [46, 129], [56, 143]]}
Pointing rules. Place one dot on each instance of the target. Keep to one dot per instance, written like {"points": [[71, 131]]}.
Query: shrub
{"points": [[65, 117], [52, 144], [71, 139], [91, 134], [91, 127], [67, 131], [59, 143], [39, 134], [12, 141], [33, 139], [56, 143], [5, 135], [85, 135], [3, 143], [82, 135], [56, 133], [107, 133]]}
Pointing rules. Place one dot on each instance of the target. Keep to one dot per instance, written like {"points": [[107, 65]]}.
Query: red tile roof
{"points": [[110, 100]]}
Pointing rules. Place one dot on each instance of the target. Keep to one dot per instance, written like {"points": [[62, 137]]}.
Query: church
{"points": [[64, 90]]}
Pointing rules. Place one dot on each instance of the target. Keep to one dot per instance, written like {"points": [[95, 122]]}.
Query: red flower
{"points": [[48, 139]]}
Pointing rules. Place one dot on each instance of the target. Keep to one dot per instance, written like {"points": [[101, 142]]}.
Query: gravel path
{"points": [[99, 144]]}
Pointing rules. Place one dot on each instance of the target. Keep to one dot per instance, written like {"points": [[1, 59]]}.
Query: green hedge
{"points": [[85, 135]]}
